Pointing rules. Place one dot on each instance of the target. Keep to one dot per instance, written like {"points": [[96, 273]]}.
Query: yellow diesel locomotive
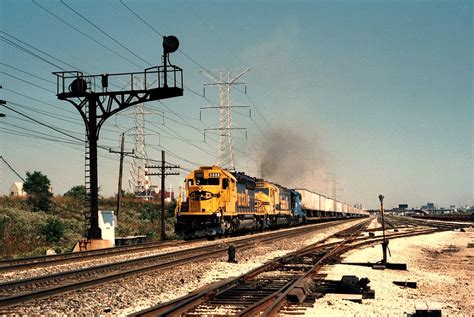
{"points": [[275, 200], [218, 202]]}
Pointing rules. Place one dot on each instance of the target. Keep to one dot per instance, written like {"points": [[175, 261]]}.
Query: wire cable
{"points": [[105, 33], [84, 34]]}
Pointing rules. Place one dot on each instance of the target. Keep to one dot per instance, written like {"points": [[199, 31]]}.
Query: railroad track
{"points": [[408, 221], [42, 261], [400, 222], [21, 291], [271, 287]]}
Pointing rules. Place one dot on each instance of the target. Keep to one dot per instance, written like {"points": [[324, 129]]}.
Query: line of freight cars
{"points": [[221, 202]]}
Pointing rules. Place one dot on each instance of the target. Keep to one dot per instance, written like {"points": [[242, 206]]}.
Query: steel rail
{"points": [[272, 303], [42, 261], [428, 223], [273, 309], [185, 303], [109, 272]]}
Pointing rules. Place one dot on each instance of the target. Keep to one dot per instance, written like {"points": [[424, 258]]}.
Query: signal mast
{"points": [[96, 101]]}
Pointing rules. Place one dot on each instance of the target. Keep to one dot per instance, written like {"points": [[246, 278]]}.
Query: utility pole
{"points": [[163, 173], [225, 80], [122, 154], [91, 96]]}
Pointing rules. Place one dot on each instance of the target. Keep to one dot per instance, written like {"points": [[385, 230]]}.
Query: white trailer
{"points": [[309, 200]]}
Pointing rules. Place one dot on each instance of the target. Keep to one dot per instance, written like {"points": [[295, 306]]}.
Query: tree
{"points": [[37, 187], [53, 230], [77, 192]]}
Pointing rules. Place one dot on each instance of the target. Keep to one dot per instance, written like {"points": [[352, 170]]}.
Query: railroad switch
{"points": [[380, 266], [347, 287], [423, 309], [405, 284]]}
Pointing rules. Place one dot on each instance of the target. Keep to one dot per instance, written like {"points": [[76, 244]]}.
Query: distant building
{"points": [[169, 195], [16, 190], [428, 207], [402, 206]]}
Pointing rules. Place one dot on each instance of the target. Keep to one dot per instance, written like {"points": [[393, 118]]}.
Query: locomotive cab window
{"points": [[207, 181], [190, 182], [225, 183]]}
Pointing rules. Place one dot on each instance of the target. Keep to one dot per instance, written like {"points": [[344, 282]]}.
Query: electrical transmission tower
{"points": [[225, 80], [139, 182], [333, 181], [91, 96]]}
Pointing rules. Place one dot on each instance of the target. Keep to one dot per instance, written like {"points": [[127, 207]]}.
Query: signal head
{"points": [[170, 44]]}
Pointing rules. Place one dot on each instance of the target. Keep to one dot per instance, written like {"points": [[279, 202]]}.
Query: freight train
{"points": [[222, 202]]}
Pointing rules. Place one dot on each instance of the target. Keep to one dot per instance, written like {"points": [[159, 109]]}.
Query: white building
{"points": [[16, 190]]}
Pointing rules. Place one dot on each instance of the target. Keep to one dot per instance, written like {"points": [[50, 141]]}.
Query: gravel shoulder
{"points": [[440, 263], [132, 294], [87, 263]]}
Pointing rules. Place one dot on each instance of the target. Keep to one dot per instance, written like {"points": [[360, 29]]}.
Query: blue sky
{"points": [[377, 92]]}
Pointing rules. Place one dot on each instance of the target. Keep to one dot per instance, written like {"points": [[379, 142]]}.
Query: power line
{"points": [[84, 34], [178, 156], [50, 114], [41, 123], [178, 115], [28, 73], [59, 131], [55, 139], [63, 118], [19, 133], [49, 55], [160, 34], [105, 33], [253, 104], [109, 36], [3, 159], [59, 108], [28, 82], [28, 52], [188, 142], [116, 41], [31, 130]]}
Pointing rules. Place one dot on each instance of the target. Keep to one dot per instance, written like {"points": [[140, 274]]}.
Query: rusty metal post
{"points": [[385, 241]]}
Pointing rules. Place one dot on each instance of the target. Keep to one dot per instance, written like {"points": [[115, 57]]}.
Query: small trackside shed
{"points": [[16, 190]]}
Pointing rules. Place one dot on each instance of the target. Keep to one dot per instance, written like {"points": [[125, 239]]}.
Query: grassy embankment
{"points": [[24, 232]]}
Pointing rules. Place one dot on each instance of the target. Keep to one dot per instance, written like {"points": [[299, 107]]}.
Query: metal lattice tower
{"points": [[139, 182], [225, 79]]}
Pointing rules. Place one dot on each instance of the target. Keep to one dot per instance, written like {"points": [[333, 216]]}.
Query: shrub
{"points": [[52, 231]]}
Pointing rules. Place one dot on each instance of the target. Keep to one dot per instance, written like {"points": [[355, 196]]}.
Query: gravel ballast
{"points": [[135, 293], [440, 263]]}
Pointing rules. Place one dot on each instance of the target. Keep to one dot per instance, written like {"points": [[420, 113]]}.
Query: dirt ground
{"points": [[441, 264]]}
